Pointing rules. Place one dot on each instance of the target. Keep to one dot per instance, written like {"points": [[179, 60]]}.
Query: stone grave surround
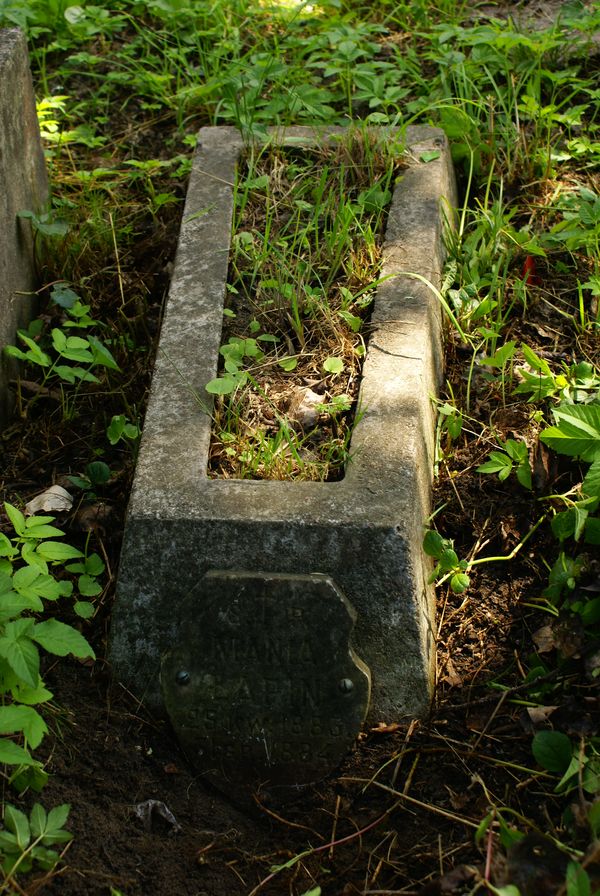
{"points": [[23, 187], [270, 619]]}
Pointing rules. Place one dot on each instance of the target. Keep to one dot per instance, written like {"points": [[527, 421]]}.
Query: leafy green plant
{"points": [[577, 383], [97, 474], [121, 429], [449, 567], [26, 581], [25, 842], [577, 764], [237, 354], [513, 458], [576, 433], [62, 357], [304, 262]]}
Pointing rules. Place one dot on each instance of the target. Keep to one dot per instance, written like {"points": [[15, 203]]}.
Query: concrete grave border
{"points": [[23, 187], [364, 531]]}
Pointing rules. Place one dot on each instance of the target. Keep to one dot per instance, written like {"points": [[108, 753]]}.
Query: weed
{"points": [[514, 457], [26, 581], [304, 263], [63, 358], [26, 842]]}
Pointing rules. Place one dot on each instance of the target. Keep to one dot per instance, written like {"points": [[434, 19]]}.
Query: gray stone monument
{"points": [[238, 587], [23, 187]]}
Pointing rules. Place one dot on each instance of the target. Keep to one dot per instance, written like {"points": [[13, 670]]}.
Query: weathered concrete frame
{"points": [[23, 186], [364, 531]]}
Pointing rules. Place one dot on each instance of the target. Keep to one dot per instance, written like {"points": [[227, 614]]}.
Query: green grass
{"points": [[306, 244], [124, 86]]}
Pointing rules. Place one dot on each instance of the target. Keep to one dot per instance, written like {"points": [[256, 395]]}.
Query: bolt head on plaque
{"points": [[263, 688]]}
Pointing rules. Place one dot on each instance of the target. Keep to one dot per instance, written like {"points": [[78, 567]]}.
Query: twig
{"points": [[410, 799], [334, 826], [290, 824], [326, 846], [407, 737], [497, 709], [509, 691]]}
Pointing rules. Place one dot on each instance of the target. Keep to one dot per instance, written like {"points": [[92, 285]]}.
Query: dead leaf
{"points": [[303, 407], [33, 388], [543, 467], [55, 499], [452, 676], [383, 728], [540, 714], [93, 518], [543, 639], [451, 882], [151, 809], [569, 635], [592, 666]]}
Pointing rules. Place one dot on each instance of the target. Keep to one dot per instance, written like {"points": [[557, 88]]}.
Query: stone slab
{"points": [[365, 531], [23, 187], [264, 686]]}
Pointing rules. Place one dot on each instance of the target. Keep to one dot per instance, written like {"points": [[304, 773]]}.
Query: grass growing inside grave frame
{"points": [[304, 265]]}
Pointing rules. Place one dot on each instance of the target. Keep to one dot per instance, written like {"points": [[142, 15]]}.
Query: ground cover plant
{"points": [[497, 791], [304, 265]]}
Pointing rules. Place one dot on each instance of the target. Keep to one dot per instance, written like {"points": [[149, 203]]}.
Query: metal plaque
{"points": [[264, 690]]}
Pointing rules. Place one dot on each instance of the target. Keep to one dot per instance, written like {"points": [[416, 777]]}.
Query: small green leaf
{"points": [[31, 696], [19, 652], [222, 385], [591, 483], [17, 822], [57, 817], [524, 475], [333, 365], [563, 524], [88, 586], [16, 517], [98, 472], [552, 750], [57, 552], [84, 609], [16, 719], [497, 463], [37, 818], [101, 354], [12, 754], [46, 859], [433, 543], [430, 155], [577, 433], [94, 565], [448, 559], [61, 639], [535, 362], [59, 340], [288, 364], [459, 583], [63, 296], [115, 428], [353, 321]]}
